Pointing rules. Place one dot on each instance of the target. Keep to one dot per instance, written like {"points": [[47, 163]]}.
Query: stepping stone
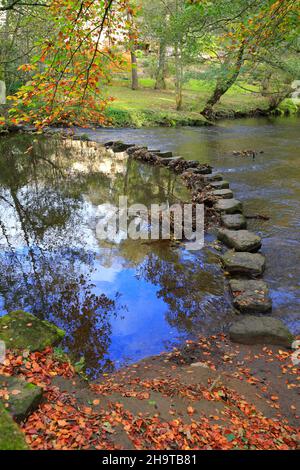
{"points": [[224, 193], [21, 330], [229, 206], [219, 184], [261, 330], [199, 171], [250, 296], [11, 437], [170, 160], [212, 177], [22, 397], [251, 264], [234, 221], [240, 240], [165, 154], [192, 164], [118, 146]]}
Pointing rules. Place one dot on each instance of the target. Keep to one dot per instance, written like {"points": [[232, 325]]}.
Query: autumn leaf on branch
{"points": [[73, 65]]}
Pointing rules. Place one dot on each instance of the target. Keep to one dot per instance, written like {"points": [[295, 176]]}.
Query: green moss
{"points": [[22, 404], [21, 330], [288, 108], [30, 386], [11, 437], [150, 118], [147, 107]]}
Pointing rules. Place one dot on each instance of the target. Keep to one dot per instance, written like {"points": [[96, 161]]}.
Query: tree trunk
{"points": [[160, 83], [265, 84], [277, 98], [134, 72], [223, 85], [178, 78]]}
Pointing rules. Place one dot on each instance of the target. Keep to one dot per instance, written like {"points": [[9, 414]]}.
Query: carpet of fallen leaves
{"points": [[61, 422]]}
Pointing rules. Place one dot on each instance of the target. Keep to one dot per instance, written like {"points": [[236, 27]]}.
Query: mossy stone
{"points": [[21, 330], [20, 404], [11, 437]]}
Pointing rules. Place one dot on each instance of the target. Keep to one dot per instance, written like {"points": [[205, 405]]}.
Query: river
{"points": [[121, 303]]}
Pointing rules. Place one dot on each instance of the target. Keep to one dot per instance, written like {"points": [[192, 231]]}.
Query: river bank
{"points": [[147, 107], [210, 395]]}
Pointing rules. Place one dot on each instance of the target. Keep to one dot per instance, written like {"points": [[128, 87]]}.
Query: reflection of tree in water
{"points": [[43, 256], [190, 287], [49, 191]]}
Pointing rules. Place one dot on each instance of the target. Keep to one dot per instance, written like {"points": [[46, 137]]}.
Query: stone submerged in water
{"points": [[250, 296], [234, 221], [240, 240], [251, 264], [223, 193], [23, 398], [261, 330], [229, 206], [21, 330], [11, 437]]}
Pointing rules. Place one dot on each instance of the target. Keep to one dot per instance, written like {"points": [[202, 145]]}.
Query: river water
{"points": [[121, 302]]}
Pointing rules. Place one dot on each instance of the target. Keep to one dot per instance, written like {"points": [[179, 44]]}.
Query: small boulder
{"points": [[261, 330], [23, 397], [250, 296], [251, 264], [234, 221], [21, 330], [223, 193], [240, 240], [229, 206]]}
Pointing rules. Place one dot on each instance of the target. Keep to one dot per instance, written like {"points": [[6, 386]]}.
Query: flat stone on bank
{"points": [[252, 264], [224, 193], [21, 330], [23, 397], [250, 296], [240, 240], [229, 206], [261, 330], [234, 221], [219, 184]]}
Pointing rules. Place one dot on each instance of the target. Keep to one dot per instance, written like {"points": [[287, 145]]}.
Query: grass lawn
{"points": [[149, 107]]}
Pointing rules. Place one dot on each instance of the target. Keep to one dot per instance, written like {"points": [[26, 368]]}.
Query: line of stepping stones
{"points": [[242, 261], [22, 331], [250, 296]]}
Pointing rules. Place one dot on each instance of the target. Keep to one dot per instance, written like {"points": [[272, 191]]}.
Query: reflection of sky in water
{"points": [[268, 185], [117, 302], [53, 255]]}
